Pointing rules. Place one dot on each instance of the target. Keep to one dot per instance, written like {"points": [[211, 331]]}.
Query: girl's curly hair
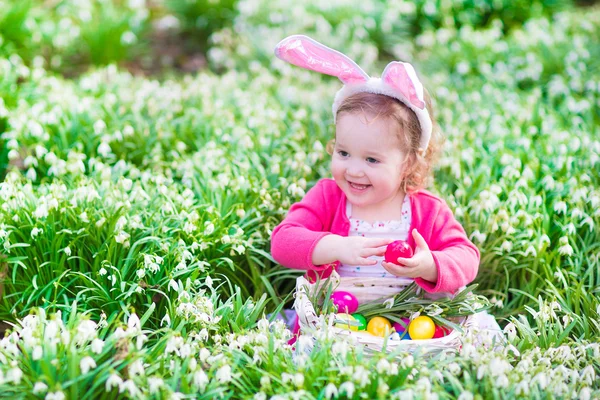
{"points": [[418, 165]]}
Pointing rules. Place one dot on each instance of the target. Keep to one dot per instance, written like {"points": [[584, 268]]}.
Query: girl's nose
{"points": [[354, 171]]}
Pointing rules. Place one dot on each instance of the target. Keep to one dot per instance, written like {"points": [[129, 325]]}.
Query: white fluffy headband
{"points": [[399, 79]]}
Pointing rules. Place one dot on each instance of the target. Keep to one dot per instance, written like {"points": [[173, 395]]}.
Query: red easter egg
{"points": [[440, 331], [398, 248], [345, 301]]}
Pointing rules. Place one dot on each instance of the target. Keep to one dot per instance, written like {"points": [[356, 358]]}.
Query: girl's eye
{"points": [[371, 160], [343, 153]]}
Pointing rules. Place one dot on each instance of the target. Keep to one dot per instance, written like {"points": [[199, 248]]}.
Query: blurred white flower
{"points": [[97, 346], [223, 374], [59, 395], [86, 364], [40, 387]]}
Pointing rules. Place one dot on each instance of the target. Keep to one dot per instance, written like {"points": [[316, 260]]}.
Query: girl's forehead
{"points": [[356, 129]]}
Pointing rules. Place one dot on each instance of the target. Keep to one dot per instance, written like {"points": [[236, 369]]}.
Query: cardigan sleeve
{"points": [[455, 256], [294, 239]]}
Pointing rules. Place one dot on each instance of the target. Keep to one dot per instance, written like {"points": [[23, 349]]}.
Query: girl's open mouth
{"points": [[356, 186]]}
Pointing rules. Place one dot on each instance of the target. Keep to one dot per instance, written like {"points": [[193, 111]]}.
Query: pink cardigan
{"points": [[323, 211]]}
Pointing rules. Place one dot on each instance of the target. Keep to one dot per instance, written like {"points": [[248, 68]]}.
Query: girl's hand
{"points": [[421, 265], [355, 250]]}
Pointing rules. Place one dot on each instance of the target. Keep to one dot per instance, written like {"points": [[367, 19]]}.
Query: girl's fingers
{"points": [[379, 251], [378, 242], [397, 270], [366, 261], [408, 262], [419, 241]]}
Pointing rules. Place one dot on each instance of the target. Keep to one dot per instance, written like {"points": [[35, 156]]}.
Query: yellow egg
{"points": [[379, 326], [421, 327], [348, 320]]}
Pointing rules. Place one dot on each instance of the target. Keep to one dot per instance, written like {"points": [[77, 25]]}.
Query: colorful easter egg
{"points": [[398, 248], [346, 302], [379, 326], [362, 320], [421, 328], [402, 329], [441, 331], [348, 322]]}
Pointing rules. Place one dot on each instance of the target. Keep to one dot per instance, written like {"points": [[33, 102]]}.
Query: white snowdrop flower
{"points": [[130, 387], [478, 236], [84, 217], [560, 207], [128, 38], [121, 222], [209, 229], [67, 251], [226, 239], [140, 273], [463, 67], [113, 381], [14, 375], [86, 364], [465, 396], [154, 384], [506, 246], [223, 374], [200, 379], [37, 353], [331, 391], [166, 321], [570, 228], [389, 303], [40, 387], [97, 346], [173, 285], [565, 250], [133, 322], [588, 375], [34, 232], [189, 227], [102, 271], [585, 393], [31, 174], [530, 251], [122, 237], [104, 149], [59, 395], [136, 368], [347, 388], [100, 222], [99, 126], [41, 211], [208, 281], [204, 354]]}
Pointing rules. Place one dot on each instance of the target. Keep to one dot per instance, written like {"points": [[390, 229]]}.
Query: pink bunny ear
{"points": [[402, 77], [307, 53]]}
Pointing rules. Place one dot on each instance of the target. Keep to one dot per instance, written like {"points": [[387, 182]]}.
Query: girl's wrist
{"points": [[327, 249]]}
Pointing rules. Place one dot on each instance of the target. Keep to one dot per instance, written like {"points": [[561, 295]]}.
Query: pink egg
{"points": [[345, 301], [399, 328]]}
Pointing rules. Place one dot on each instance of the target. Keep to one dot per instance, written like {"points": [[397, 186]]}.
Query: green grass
{"points": [[120, 196]]}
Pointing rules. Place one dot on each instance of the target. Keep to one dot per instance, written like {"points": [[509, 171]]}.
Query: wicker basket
{"points": [[368, 289]]}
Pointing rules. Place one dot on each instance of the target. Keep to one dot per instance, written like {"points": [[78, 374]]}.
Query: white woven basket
{"points": [[368, 289]]}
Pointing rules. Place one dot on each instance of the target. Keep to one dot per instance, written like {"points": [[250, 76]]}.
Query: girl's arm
{"points": [[455, 256], [295, 238]]}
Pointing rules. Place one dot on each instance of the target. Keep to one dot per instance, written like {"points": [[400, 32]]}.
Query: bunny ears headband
{"points": [[399, 79]]}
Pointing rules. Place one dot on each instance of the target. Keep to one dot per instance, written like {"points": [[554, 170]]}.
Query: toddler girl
{"points": [[381, 158]]}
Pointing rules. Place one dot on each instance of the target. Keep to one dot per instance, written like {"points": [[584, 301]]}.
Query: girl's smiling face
{"points": [[367, 160]]}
